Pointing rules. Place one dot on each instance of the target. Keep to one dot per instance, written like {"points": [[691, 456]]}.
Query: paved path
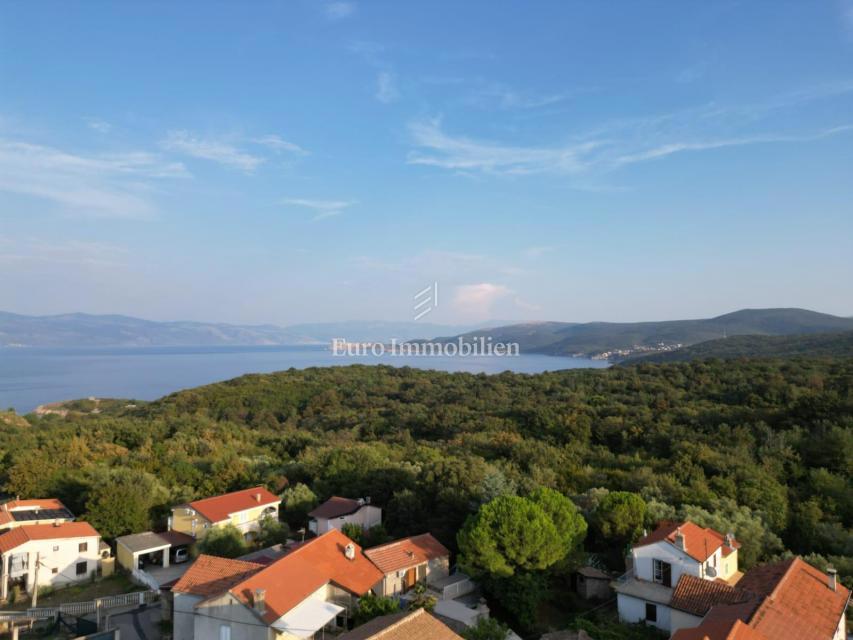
{"points": [[142, 623]]}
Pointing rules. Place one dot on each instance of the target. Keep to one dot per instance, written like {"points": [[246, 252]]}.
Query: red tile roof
{"points": [[210, 575], [696, 596], [20, 535], [699, 543], [291, 579], [220, 508], [335, 507], [39, 503], [736, 630], [801, 605], [415, 625], [795, 602], [406, 553]]}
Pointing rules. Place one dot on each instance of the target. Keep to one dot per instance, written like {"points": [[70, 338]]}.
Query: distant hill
{"points": [[816, 345], [616, 341], [85, 330]]}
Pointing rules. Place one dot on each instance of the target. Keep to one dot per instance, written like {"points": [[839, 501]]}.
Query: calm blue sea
{"points": [[30, 376]]}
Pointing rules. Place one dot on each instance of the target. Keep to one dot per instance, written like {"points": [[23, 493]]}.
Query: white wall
{"points": [[60, 556], [226, 610], [681, 620], [367, 516], [680, 561], [183, 618], [633, 610]]}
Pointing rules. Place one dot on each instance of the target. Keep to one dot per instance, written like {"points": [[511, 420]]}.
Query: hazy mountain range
{"points": [[611, 340], [85, 330], [616, 341]]}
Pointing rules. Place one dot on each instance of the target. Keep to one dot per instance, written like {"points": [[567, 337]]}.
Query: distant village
{"points": [[660, 347]]}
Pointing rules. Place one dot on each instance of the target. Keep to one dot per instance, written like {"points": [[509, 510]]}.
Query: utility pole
{"points": [[35, 594]]}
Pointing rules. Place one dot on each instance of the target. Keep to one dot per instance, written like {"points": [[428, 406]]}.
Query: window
{"points": [[651, 612], [662, 572], [54, 571], [83, 546], [224, 632], [56, 548], [82, 568]]}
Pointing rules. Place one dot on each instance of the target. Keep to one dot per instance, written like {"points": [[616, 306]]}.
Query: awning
{"points": [[307, 618]]}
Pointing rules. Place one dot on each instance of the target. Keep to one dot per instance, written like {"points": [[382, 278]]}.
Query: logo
{"points": [[426, 300]]}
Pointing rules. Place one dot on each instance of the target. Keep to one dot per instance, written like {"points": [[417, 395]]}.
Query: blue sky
{"points": [[305, 161]]}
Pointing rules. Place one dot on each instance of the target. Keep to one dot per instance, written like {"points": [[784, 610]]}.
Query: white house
{"points": [[660, 559], [47, 555], [335, 512], [312, 588]]}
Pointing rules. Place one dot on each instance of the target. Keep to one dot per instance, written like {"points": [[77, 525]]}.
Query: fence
{"points": [[82, 608]]}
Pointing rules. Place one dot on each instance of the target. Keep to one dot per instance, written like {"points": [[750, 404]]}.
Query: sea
{"points": [[31, 376]]}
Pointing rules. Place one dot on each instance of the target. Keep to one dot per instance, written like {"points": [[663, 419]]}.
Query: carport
{"points": [[149, 547]]}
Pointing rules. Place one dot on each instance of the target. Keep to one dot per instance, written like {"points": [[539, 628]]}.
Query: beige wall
{"points": [[197, 525], [366, 517], [187, 520], [226, 610], [393, 584]]}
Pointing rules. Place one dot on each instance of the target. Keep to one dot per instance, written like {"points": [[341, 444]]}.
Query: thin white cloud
{"points": [[69, 252], [339, 10], [211, 149], [322, 208], [101, 126], [278, 144], [386, 88], [537, 252], [114, 185]]}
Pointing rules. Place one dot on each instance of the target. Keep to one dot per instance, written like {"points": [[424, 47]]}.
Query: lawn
{"points": [[114, 585]]}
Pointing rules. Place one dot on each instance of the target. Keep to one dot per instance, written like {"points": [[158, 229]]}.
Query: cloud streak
{"points": [[185, 143], [322, 208], [108, 185], [386, 88], [339, 10]]}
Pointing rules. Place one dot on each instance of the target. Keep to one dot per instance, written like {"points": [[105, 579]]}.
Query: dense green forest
{"points": [[760, 448]]}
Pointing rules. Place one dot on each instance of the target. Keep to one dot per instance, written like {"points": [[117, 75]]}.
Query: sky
{"points": [[284, 162]]}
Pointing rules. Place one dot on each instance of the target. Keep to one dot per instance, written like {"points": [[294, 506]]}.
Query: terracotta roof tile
{"points": [[801, 605], [220, 508], [736, 630], [20, 535], [335, 507], [406, 553], [696, 596], [415, 625], [292, 578], [699, 543], [211, 575]]}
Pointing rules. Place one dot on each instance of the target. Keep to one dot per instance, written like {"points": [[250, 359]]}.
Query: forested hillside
{"points": [[764, 449]]}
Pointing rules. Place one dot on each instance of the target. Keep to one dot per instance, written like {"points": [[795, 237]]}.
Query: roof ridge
{"points": [[411, 615], [396, 542]]}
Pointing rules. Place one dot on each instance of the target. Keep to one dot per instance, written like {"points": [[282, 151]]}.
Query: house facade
{"points": [[658, 563], [313, 588], [21, 513], [335, 512], [244, 509], [406, 625], [47, 555], [406, 562]]}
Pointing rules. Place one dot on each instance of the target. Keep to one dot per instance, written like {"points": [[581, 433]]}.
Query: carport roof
{"points": [[149, 541]]}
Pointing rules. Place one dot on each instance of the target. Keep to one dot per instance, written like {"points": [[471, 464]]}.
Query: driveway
{"points": [[165, 575], [139, 624]]}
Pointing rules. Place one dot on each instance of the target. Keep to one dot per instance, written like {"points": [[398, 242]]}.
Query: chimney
{"points": [[367, 500], [832, 573], [679, 540], [730, 539], [258, 497], [349, 551], [260, 600]]}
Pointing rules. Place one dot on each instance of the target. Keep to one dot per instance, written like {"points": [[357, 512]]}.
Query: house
{"points": [[335, 512], [406, 625], [406, 562], [19, 513], [47, 555], [789, 600], [312, 588], [244, 509], [593, 584], [660, 560]]}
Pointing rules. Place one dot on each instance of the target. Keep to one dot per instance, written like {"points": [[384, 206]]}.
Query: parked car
{"points": [[181, 555]]}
